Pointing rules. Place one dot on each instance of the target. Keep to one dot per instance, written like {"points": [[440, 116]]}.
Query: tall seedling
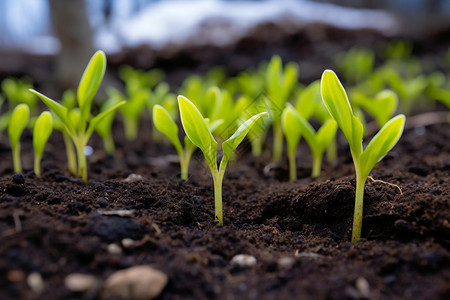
{"points": [[336, 101], [77, 121], [200, 135], [19, 120]]}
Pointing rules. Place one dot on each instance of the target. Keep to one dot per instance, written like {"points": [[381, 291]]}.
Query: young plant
{"points": [[104, 127], [41, 132], [356, 64], [294, 126], [336, 101], [77, 121], [381, 108], [165, 124], [200, 135], [19, 120], [279, 84]]}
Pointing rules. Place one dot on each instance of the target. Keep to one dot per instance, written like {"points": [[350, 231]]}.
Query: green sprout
{"points": [[381, 108], [16, 92], [200, 135], [336, 101], [19, 120], [356, 64], [165, 124], [77, 121], [104, 127], [41, 132], [294, 126], [279, 84]]}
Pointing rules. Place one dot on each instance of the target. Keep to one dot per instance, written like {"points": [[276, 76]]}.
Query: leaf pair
{"points": [[337, 103], [200, 135]]}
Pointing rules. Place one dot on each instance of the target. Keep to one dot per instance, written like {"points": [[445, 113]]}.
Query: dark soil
{"points": [[299, 232]]}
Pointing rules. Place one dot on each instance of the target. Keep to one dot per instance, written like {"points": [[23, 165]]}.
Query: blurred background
{"points": [[51, 40]]}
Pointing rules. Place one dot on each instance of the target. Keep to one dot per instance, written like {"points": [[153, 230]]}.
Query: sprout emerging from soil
{"points": [[336, 101], [77, 121], [165, 124], [41, 132], [294, 126], [19, 120], [200, 135]]}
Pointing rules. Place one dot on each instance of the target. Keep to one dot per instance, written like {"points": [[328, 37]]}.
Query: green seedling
{"points": [[143, 79], [16, 92], [19, 120], [336, 101], [77, 121], [356, 64], [41, 132], [294, 126], [279, 85], [104, 127], [381, 108], [165, 124], [200, 135]]}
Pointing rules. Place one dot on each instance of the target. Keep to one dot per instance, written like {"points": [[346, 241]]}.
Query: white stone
{"points": [[243, 260], [133, 178], [137, 283], [77, 282]]}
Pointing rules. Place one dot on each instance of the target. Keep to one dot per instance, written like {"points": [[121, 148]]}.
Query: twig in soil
{"points": [[17, 223], [385, 182]]}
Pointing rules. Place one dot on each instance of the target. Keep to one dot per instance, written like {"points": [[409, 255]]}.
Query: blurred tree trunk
{"points": [[71, 26]]}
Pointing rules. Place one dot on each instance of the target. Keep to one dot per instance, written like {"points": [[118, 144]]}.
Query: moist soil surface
{"points": [[299, 232]]}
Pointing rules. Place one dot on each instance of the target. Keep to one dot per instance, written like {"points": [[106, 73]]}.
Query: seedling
{"points": [[165, 124], [279, 84], [19, 120], [200, 135], [77, 121], [294, 126], [16, 92], [356, 64], [41, 132], [336, 101], [104, 127], [381, 108]]}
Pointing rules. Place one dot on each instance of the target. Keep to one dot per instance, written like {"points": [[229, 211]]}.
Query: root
{"points": [[388, 183]]}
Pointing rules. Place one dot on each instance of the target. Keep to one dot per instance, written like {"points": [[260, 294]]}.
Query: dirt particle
{"points": [[15, 275], [418, 170], [77, 282], [243, 261], [102, 202], [18, 178]]}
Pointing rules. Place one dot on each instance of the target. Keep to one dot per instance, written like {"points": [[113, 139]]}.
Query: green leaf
{"points": [[381, 143], [89, 83], [19, 120], [292, 132], [59, 110], [165, 124], [326, 133], [98, 118], [336, 101], [41, 132], [233, 142]]}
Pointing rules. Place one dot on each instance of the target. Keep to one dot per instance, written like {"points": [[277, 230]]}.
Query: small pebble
{"points": [[102, 202], [35, 282], [18, 178], [114, 249], [286, 263], [243, 260], [363, 287], [77, 282], [133, 178], [137, 283]]}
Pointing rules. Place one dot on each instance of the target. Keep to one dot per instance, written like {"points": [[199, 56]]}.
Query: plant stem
{"points": [[37, 164], [277, 141], [358, 214], [292, 166], [71, 157], [317, 165], [108, 144], [218, 179], [184, 165], [131, 128], [82, 162], [16, 158], [256, 143], [332, 151]]}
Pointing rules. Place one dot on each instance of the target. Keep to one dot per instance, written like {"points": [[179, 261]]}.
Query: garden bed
{"points": [[299, 232]]}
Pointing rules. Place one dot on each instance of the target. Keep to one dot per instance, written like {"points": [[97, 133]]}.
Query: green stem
{"points": [[82, 162], [277, 141], [332, 151], [71, 157], [16, 158], [317, 165], [218, 179], [358, 214], [37, 164], [292, 166], [131, 128], [256, 143], [184, 165], [108, 144]]}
